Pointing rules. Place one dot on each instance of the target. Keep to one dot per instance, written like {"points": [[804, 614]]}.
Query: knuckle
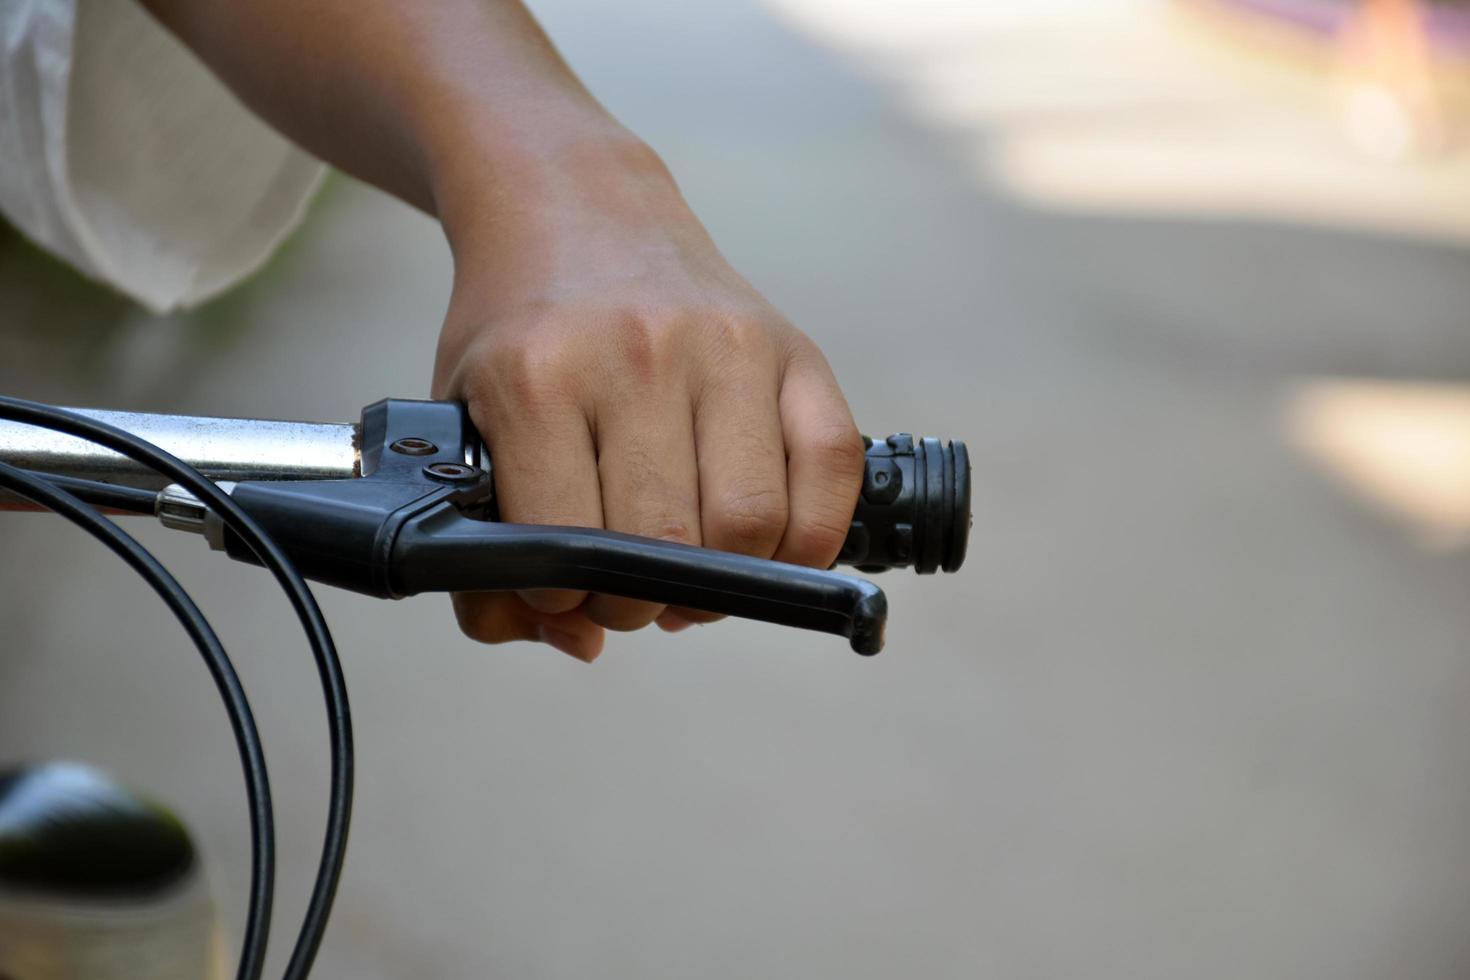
{"points": [[696, 616], [819, 536], [553, 601], [621, 615], [485, 618], [534, 375], [643, 340], [659, 509], [838, 450], [752, 519], [670, 528], [526, 374], [742, 336]]}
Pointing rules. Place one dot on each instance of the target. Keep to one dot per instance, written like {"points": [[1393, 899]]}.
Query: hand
{"points": [[623, 376]]}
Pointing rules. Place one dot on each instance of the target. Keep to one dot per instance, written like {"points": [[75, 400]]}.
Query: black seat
{"points": [[69, 831]]}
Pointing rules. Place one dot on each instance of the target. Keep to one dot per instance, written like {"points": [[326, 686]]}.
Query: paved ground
{"points": [[1189, 712]]}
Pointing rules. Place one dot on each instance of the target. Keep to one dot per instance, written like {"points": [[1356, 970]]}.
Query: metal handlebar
{"points": [[235, 450]]}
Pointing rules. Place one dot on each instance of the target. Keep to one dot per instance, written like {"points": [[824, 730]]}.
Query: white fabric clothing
{"points": [[123, 155]]}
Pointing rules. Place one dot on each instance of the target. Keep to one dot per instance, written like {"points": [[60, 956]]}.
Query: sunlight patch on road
{"points": [[1403, 447], [1148, 106]]}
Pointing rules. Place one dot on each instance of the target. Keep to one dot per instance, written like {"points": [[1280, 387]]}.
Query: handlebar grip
{"points": [[914, 509]]}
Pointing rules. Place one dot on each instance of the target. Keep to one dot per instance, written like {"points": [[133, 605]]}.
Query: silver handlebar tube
{"points": [[222, 449]]}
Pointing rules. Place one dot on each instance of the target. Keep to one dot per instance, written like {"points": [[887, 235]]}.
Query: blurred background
{"points": [[1192, 280]]}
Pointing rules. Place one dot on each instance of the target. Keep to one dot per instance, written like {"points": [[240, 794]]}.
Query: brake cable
{"points": [[339, 805]]}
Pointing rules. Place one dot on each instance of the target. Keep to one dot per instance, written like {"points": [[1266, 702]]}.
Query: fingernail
{"points": [[567, 642]]}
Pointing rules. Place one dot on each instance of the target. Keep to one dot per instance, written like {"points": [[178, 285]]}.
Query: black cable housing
{"points": [[109, 495], [329, 668], [42, 492]]}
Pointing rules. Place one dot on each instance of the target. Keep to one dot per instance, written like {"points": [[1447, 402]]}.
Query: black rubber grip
{"points": [[915, 507]]}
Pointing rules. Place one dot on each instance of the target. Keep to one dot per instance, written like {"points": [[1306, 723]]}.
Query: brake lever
{"points": [[421, 518], [442, 550]]}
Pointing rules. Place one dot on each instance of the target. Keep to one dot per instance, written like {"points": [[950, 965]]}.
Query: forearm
{"points": [[449, 105]]}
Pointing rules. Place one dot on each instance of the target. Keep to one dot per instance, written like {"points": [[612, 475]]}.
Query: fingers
{"points": [[650, 486], [742, 464], [825, 459], [502, 617], [742, 467], [535, 428]]}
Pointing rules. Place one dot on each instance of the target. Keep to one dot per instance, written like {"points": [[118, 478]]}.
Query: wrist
{"points": [[504, 196]]}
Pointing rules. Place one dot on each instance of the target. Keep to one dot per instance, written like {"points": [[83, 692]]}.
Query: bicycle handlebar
{"points": [[404, 502]]}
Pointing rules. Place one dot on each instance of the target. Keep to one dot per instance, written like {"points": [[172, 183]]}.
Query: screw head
{"points": [[414, 446], [452, 472]]}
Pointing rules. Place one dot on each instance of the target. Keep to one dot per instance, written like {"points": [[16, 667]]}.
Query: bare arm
{"points": [[402, 95], [622, 374]]}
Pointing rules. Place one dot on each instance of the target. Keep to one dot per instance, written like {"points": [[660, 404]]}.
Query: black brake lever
{"points": [[441, 550], [421, 519]]}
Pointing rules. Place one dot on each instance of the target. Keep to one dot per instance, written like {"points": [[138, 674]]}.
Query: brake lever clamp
{"points": [[420, 519]]}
